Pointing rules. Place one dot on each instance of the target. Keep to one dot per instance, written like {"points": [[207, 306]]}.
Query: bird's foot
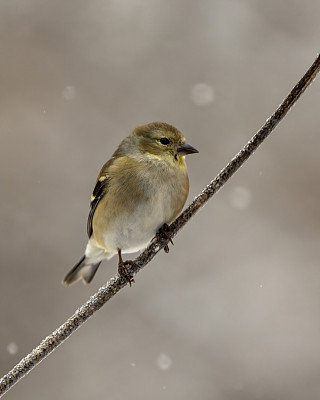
{"points": [[123, 269], [164, 233]]}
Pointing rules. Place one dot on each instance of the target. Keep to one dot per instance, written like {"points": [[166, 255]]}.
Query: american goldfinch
{"points": [[143, 187]]}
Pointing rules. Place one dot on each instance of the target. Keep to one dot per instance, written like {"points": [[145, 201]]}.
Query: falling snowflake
{"points": [[163, 362], [68, 93], [12, 348], [240, 197], [202, 94]]}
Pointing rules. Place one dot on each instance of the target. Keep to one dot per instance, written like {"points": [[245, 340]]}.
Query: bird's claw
{"points": [[164, 234], [124, 271]]}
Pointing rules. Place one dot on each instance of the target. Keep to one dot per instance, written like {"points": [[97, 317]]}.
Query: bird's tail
{"points": [[83, 270]]}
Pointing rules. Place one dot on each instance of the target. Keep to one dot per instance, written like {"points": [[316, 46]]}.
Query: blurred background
{"points": [[232, 312]]}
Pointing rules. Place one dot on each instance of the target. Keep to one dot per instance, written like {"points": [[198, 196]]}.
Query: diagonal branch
{"points": [[107, 291]]}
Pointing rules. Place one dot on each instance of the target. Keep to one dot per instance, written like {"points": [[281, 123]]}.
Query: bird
{"points": [[141, 189]]}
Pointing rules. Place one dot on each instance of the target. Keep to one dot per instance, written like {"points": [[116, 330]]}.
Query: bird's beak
{"points": [[186, 149]]}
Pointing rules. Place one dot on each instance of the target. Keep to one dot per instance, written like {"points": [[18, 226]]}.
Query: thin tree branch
{"points": [[107, 291]]}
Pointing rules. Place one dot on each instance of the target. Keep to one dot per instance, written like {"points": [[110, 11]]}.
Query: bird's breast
{"points": [[136, 209]]}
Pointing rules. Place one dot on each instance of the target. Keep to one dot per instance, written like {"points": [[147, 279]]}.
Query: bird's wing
{"points": [[98, 193]]}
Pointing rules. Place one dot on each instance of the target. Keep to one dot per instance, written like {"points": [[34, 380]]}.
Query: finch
{"points": [[143, 187]]}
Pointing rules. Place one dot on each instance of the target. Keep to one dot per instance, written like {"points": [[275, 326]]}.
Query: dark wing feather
{"points": [[98, 193]]}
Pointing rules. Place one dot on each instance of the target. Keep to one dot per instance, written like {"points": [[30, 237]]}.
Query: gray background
{"points": [[233, 311]]}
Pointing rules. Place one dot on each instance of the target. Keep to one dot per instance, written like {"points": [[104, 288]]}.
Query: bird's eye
{"points": [[164, 140]]}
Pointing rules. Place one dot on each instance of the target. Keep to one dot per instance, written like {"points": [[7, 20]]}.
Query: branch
{"points": [[107, 291]]}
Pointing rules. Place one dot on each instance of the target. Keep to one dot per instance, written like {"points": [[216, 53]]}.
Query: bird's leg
{"points": [[164, 234], [123, 270]]}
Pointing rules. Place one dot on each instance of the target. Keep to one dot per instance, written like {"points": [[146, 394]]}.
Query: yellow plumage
{"points": [[142, 187]]}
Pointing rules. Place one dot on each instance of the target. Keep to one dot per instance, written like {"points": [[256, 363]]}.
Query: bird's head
{"points": [[162, 141]]}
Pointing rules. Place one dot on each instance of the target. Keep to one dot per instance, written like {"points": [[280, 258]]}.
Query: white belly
{"points": [[131, 223], [133, 232]]}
